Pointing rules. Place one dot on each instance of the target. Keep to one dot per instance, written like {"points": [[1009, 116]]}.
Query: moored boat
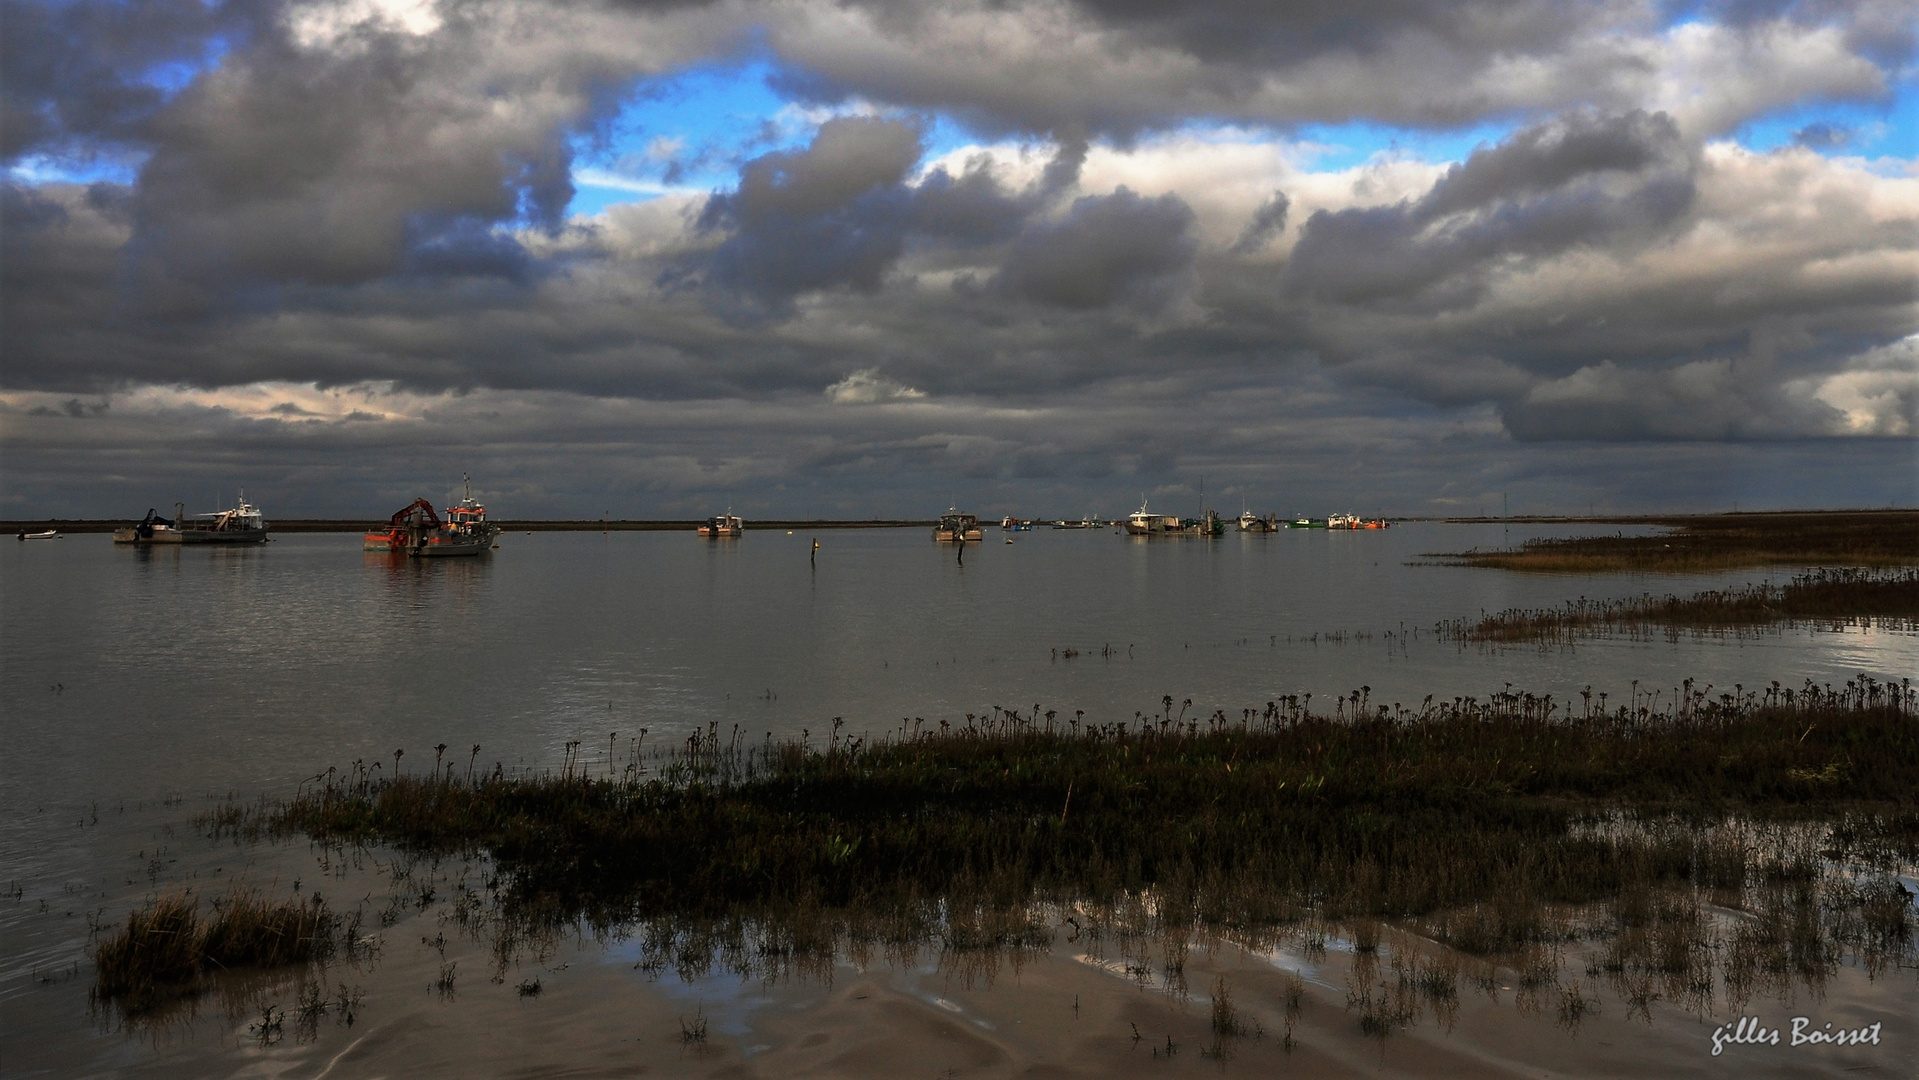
{"points": [[417, 531], [727, 524], [1251, 522], [44, 534], [244, 524], [1143, 522], [1354, 521], [957, 528]]}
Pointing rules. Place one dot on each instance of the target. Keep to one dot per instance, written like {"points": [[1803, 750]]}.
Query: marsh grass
{"points": [[1460, 840], [1723, 542], [1375, 810], [1820, 597], [170, 948]]}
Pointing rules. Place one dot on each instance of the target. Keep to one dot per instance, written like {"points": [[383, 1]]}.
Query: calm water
{"points": [[136, 683]]}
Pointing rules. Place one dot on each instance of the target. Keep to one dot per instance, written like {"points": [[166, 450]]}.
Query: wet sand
{"points": [[1063, 1013]]}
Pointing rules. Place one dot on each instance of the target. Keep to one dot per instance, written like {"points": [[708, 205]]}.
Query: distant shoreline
{"points": [[331, 525], [343, 525]]}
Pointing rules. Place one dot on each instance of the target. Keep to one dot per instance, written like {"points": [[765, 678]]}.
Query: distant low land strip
{"points": [[1845, 596], [343, 525], [1722, 542]]}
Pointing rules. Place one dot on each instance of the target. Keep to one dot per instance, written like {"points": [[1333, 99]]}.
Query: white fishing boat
{"points": [[1143, 522], [45, 534], [244, 524]]}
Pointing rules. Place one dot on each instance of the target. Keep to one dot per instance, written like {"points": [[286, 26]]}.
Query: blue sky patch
{"points": [[1843, 129]]}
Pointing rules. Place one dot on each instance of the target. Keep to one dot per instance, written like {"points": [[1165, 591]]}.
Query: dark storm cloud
{"points": [[1576, 181], [841, 213], [1107, 250], [1269, 221], [286, 166], [1250, 31], [833, 214], [1119, 67], [71, 73]]}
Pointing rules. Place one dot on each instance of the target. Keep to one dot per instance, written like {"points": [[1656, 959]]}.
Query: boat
{"points": [[1305, 523], [1090, 521], [1208, 523], [1354, 521], [417, 531], [244, 524], [957, 528], [45, 534], [727, 524], [1251, 522], [1143, 522]]}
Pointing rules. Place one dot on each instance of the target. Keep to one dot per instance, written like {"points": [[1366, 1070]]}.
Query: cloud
{"points": [[868, 387], [1701, 399], [1878, 392], [78, 75], [1268, 222], [1822, 135], [834, 214], [1580, 180], [1120, 226], [1108, 249]]}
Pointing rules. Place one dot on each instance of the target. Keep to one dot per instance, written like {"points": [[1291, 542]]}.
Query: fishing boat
{"points": [[1251, 522], [1305, 523], [727, 524], [1208, 523], [1354, 521], [417, 531], [957, 528], [44, 534], [1143, 522], [244, 524]]}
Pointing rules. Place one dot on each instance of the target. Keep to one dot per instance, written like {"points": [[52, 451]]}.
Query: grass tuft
{"points": [[169, 948]]}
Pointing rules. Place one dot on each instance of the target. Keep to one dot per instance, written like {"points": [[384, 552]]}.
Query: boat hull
{"points": [[192, 536], [438, 548]]}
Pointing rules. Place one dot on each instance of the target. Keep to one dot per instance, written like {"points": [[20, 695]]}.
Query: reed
{"points": [[169, 948], [1374, 810], [1842, 596], [1723, 542]]}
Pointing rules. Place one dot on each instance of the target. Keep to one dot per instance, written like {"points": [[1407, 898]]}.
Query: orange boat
{"points": [[727, 524], [416, 530]]}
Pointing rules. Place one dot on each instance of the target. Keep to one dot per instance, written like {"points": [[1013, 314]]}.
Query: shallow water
{"points": [[136, 684]]}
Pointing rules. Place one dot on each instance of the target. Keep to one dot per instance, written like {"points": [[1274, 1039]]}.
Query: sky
{"points": [[657, 258]]}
